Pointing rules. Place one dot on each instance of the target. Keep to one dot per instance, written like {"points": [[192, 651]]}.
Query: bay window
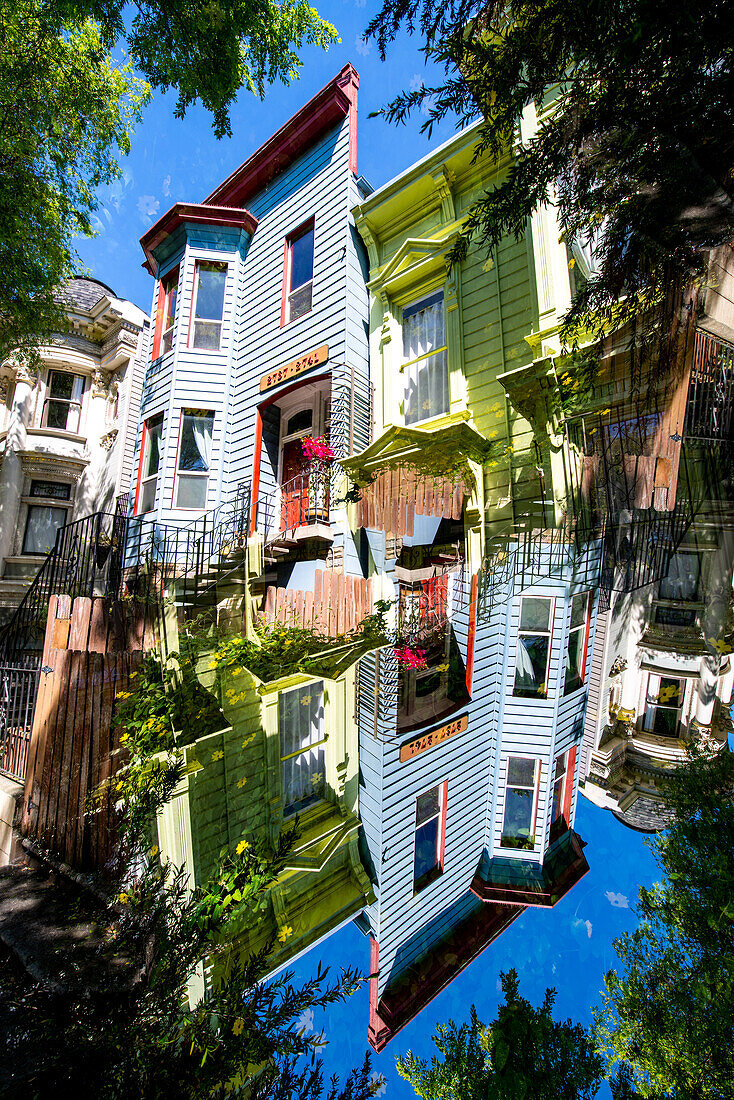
{"points": [[425, 363], [63, 405], [430, 819], [533, 647], [208, 305], [194, 458], [298, 289], [577, 639], [302, 746], [521, 801], [150, 458]]}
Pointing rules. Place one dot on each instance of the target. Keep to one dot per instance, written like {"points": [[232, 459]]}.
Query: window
{"points": [[430, 821], [577, 637], [533, 647], [209, 281], [302, 746], [194, 458], [680, 584], [425, 365], [44, 520], [558, 819], [63, 405], [150, 458], [165, 314], [521, 797], [298, 289], [664, 705]]}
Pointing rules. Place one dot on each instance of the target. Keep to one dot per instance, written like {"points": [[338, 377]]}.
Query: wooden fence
{"points": [[337, 605], [396, 497], [91, 648]]}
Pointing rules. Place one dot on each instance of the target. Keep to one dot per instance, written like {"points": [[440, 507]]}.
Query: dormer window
{"points": [[62, 408]]}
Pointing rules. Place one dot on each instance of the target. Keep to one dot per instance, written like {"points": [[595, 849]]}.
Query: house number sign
{"points": [[297, 366], [435, 737]]}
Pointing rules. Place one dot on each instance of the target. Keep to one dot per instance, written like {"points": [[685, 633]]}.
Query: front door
{"points": [[294, 484]]}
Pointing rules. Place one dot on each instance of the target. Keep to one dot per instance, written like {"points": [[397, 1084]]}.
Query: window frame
{"points": [[653, 705], [435, 872], [317, 799], [407, 310], [69, 402], [222, 265], [189, 411], [532, 842], [520, 631], [142, 459], [165, 288], [585, 626], [307, 226]]}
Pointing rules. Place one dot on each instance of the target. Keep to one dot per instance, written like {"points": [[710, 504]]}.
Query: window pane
{"points": [[210, 291], [426, 806], [423, 328], [299, 302], [670, 692], [170, 303], [302, 259], [535, 613], [681, 581], [426, 388], [518, 816], [153, 444], [557, 799], [532, 662], [207, 335], [300, 421], [191, 491], [574, 657], [661, 720], [301, 726], [674, 616], [41, 528], [147, 495], [50, 489], [520, 772], [426, 850], [196, 442], [60, 385], [578, 609]]}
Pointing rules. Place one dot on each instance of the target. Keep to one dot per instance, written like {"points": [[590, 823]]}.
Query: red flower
{"points": [[316, 448], [411, 658]]}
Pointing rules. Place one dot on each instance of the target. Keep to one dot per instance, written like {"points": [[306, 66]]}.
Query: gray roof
{"points": [[645, 815], [84, 293]]}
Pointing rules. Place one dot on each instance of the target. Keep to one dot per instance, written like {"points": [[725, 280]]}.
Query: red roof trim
{"points": [[328, 107], [197, 213]]}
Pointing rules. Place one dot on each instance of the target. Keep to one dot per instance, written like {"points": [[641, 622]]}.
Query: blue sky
{"points": [[181, 160], [568, 947]]}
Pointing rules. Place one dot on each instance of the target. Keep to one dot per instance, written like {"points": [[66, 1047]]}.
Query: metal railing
{"points": [[710, 405], [17, 703], [302, 501]]}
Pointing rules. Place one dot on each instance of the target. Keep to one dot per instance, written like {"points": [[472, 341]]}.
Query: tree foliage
{"points": [[670, 1012], [245, 1036], [523, 1055], [66, 113], [635, 131]]}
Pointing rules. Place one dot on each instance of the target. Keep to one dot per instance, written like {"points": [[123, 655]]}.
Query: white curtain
{"points": [[524, 663], [202, 429], [681, 582], [301, 720], [426, 381], [43, 523]]}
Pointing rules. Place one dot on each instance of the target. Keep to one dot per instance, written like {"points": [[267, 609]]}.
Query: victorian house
{"points": [[67, 431]]}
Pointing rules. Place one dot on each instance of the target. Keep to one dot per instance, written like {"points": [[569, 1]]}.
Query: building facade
{"points": [[68, 430], [470, 726]]}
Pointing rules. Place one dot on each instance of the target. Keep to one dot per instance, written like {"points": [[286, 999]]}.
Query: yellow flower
{"points": [[217, 755], [285, 932], [306, 700], [238, 1026], [242, 782], [124, 695], [242, 847], [123, 898], [154, 851]]}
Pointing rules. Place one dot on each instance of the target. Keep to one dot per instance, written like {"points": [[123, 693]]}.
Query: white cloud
{"points": [[377, 1085], [359, 3], [578, 923], [619, 901], [166, 186], [147, 207], [416, 81], [362, 48], [318, 1042], [305, 1021]]}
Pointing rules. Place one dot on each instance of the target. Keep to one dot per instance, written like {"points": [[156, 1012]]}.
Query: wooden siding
{"points": [[337, 604]]}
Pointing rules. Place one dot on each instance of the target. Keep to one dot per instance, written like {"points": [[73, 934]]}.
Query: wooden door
{"points": [[294, 483]]}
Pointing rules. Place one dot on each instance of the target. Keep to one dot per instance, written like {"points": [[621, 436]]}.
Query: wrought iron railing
{"points": [[17, 703], [302, 501], [710, 405]]}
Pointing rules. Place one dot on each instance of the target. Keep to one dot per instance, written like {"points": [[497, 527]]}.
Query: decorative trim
{"points": [[53, 465], [196, 214]]}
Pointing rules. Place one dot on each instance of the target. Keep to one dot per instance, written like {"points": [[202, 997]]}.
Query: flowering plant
{"points": [[410, 658], [316, 448]]}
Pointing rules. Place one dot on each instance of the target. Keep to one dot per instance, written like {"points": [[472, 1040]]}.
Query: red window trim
{"points": [[443, 786], [309, 223], [182, 411], [197, 261], [161, 308], [141, 458], [569, 780]]}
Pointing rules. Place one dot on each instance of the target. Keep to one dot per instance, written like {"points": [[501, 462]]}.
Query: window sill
{"points": [[434, 423], [530, 696], [427, 880], [58, 433]]}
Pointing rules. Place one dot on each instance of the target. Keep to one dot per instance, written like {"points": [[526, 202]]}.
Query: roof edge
{"points": [[198, 214]]}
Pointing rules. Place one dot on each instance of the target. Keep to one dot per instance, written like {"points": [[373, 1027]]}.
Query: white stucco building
{"points": [[67, 432]]}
